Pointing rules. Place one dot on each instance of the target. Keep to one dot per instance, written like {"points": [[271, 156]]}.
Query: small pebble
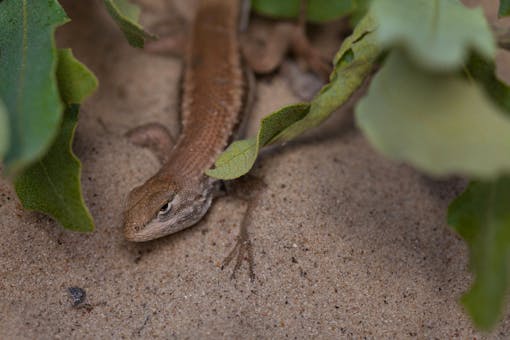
{"points": [[77, 295]]}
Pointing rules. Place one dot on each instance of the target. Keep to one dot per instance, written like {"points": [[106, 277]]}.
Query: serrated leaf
{"points": [[52, 184], [353, 64], [482, 217], [317, 10], [4, 129], [504, 8], [28, 86], [442, 124], [437, 34], [126, 16]]}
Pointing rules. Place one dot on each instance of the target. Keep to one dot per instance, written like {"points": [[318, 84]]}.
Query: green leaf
{"points": [[482, 217], [52, 184], [76, 82], [317, 11], [126, 16], [4, 129], [442, 124], [353, 63], [360, 9], [28, 86], [437, 34], [504, 8], [240, 156], [484, 72]]}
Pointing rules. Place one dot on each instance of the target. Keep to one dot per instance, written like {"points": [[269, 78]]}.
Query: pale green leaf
{"points": [[28, 86], [481, 215], [240, 156], [442, 124], [437, 34], [126, 16], [353, 63], [52, 184]]}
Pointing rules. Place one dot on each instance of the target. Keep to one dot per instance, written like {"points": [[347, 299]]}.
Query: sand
{"points": [[347, 244]]}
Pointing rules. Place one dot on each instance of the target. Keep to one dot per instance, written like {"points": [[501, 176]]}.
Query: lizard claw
{"points": [[243, 247]]}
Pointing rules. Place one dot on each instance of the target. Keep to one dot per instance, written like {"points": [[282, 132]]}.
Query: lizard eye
{"points": [[165, 209]]}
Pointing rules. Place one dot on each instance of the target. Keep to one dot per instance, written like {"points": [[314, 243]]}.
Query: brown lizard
{"points": [[216, 94]]}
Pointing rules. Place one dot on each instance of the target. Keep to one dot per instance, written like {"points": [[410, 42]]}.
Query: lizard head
{"points": [[161, 207]]}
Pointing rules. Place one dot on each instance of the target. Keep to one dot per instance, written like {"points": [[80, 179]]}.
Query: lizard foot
{"points": [[248, 189], [311, 56], [264, 54], [304, 50], [172, 33], [241, 251]]}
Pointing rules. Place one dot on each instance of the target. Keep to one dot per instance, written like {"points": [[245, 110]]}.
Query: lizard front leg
{"points": [[155, 137], [265, 55]]}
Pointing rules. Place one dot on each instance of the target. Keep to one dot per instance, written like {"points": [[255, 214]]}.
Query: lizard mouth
{"points": [[135, 233], [136, 237]]}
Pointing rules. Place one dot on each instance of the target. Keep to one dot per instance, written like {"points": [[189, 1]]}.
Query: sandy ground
{"points": [[347, 244]]}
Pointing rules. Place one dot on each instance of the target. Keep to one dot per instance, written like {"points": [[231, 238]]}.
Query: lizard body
{"points": [[214, 94]]}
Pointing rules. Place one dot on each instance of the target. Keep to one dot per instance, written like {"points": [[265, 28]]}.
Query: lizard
{"points": [[216, 92]]}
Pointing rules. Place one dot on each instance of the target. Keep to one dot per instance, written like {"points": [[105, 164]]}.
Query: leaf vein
{"points": [[54, 188]]}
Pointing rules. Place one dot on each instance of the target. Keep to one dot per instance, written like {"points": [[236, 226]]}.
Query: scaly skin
{"points": [[214, 89]]}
